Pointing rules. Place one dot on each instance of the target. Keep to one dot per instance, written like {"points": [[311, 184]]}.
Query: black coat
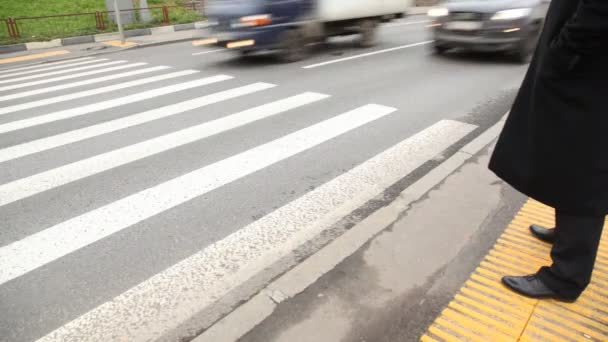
{"points": [[554, 147]]}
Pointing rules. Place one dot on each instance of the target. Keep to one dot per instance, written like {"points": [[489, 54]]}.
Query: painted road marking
{"points": [[54, 67], [67, 77], [96, 91], [60, 72], [36, 250], [50, 179], [483, 306], [339, 60], [62, 139], [207, 52], [81, 83], [84, 168], [44, 65], [95, 107], [34, 56], [210, 275]]}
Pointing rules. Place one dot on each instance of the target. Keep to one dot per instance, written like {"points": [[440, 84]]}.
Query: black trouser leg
{"points": [[574, 252]]}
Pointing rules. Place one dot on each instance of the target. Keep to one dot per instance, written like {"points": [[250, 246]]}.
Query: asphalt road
{"points": [[134, 195]]}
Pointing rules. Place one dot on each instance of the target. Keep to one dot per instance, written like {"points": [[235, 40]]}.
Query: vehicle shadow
{"points": [[485, 58], [333, 49], [340, 47]]}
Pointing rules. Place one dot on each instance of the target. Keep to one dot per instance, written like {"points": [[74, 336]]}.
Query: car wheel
{"points": [[368, 33], [523, 53], [245, 53], [293, 46], [522, 56], [440, 49]]}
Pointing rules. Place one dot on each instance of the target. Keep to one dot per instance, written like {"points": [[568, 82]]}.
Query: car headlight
{"points": [[512, 14], [438, 12]]}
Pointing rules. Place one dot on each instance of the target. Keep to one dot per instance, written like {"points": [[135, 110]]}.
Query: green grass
{"points": [[35, 8], [61, 27]]}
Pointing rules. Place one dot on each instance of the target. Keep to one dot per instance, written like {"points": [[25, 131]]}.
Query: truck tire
{"points": [[292, 46], [367, 29]]}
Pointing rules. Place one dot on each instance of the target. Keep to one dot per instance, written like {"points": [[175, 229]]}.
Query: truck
{"points": [[290, 27]]}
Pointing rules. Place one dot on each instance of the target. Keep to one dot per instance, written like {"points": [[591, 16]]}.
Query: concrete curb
{"points": [[12, 48], [109, 51], [253, 312], [184, 27], [162, 30], [164, 42], [77, 40], [102, 37], [43, 45]]}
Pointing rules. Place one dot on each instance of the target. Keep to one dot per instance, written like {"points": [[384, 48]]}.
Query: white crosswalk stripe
{"points": [[41, 248], [97, 91], [95, 107], [195, 282], [59, 72], [32, 185], [81, 83], [67, 77], [42, 66], [44, 144], [174, 294], [53, 67]]}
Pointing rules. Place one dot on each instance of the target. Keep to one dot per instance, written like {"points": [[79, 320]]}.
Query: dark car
{"points": [[511, 26]]}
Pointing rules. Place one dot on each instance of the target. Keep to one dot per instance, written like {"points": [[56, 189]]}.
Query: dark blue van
{"points": [[290, 26]]}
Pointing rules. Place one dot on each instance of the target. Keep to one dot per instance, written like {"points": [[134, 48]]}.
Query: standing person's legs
{"points": [[573, 253]]}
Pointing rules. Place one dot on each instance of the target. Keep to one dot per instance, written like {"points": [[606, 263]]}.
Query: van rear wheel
{"points": [[367, 29], [292, 46]]}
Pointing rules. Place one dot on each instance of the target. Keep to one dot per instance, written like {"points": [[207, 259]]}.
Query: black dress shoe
{"points": [[531, 286], [542, 233]]}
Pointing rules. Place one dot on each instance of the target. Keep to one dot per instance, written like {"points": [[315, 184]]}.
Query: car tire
{"points": [[523, 54], [525, 50], [292, 46], [440, 49], [367, 29], [522, 57], [245, 53]]}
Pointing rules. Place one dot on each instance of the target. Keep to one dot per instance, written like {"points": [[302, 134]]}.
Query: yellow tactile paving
{"points": [[118, 43], [33, 56], [484, 310]]}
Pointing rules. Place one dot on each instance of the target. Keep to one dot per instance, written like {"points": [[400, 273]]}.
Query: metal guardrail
{"points": [[75, 24]]}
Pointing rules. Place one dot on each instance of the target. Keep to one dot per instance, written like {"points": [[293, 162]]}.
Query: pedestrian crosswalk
{"points": [[120, 66], [55, 66], [97, 91], [49, 109]]}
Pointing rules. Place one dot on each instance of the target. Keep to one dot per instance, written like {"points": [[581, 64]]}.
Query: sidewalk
{"points": [[107, 44], [420, 279], [483, 309], [394, 286]]}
